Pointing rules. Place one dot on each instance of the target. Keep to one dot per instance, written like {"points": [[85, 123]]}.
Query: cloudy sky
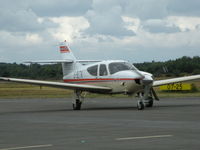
{"points": [[134, 30]]}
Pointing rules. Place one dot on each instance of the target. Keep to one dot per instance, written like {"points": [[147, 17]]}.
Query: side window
{"points": [[103, 70], [93, 70]]}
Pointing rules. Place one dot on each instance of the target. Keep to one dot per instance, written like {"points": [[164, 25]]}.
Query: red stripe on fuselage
{"points": [[97, 80]]}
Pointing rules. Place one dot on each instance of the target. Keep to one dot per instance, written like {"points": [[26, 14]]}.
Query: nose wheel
{"points": [[149, 102], [144, 102]]}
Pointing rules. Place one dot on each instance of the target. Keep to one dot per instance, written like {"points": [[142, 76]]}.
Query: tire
{"points": [[77, 106], [140, 105], [149, 103]]}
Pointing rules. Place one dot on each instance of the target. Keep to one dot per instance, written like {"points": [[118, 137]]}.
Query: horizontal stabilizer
{"points": [[50, 61], [88, 61], [63, 61]]}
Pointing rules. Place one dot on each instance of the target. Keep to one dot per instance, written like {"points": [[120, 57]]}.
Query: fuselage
{"points": [[119, 75]]}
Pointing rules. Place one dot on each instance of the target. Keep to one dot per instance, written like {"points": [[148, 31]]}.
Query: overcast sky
{"points": [[133, 30]]}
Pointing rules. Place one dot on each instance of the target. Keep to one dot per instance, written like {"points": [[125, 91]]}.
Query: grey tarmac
{"points": [[103, 123]]}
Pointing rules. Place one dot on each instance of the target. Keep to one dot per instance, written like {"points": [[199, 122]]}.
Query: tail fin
{"points": [[67, 54]]}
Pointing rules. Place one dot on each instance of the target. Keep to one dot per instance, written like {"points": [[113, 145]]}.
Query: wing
{"points": [[175, 80], [84, 87]]}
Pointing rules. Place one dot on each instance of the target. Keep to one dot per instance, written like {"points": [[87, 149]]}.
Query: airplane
{"points": [[103, 77]]}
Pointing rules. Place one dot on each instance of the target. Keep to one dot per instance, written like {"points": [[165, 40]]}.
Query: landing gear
{"points": [[149, 102], [78, 100], [77, 105], [140, 105], [144, 102]]}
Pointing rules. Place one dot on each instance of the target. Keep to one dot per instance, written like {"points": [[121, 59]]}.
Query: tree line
{"points": [[33, 71], [179, 67]]}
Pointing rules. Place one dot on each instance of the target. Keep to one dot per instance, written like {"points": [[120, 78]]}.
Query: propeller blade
{"points": [[154, 94]]}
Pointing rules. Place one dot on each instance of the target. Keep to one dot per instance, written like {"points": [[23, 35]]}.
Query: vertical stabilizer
{"points": [[65, 51], [67, 54]]}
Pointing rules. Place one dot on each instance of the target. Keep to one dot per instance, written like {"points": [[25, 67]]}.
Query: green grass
{"points": [[18, 90]]}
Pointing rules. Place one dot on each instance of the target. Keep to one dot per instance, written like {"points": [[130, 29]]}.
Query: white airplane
{"points": [[105, 77]]}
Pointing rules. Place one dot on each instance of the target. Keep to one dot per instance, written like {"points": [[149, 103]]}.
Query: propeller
{"points": [[154, 94], [147, 82]]}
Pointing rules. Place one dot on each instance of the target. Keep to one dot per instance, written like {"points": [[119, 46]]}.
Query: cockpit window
{"points": [[103, 70], [120, 66], [93, 70]]}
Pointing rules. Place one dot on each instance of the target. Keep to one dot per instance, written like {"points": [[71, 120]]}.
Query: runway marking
{"points": [[143, 137], [27, 147]]}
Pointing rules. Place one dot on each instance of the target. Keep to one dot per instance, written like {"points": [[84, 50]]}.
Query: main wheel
{"points": [[149, 103], [77, 105], [140, 105]]}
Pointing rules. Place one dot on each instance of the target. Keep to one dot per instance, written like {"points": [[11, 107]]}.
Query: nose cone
{"points": [[148, 78]]}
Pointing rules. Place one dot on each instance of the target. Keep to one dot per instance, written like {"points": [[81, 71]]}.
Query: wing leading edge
{"points": [[84, 87], [175, 80]]}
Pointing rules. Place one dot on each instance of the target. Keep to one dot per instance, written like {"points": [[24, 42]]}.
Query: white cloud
{"points": [[22, 20], [132, 23], [69, 28], [185, 23], [33, 39], [137, 30], [105, 18]]}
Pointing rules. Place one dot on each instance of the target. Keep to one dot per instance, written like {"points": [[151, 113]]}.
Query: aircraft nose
{"points": [[148, 79], [139, 75]]}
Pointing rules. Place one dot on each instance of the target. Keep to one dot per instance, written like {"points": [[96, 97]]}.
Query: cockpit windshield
{"points": [[120, 66]]}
